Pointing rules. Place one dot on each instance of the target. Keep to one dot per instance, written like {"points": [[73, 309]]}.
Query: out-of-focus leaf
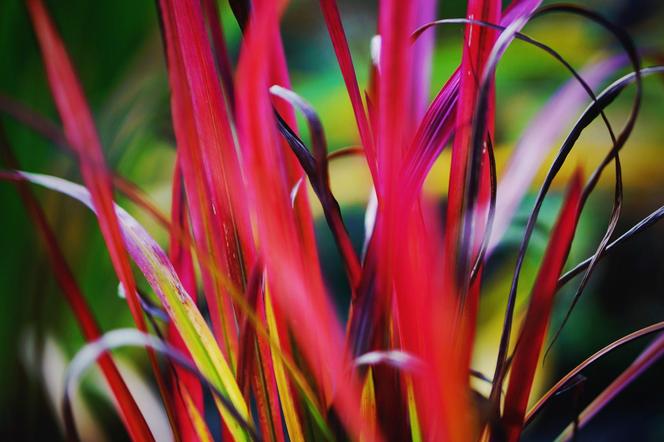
{"points": [[64, 276], [159, 272]]}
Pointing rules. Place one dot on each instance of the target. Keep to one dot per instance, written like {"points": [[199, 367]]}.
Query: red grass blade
{"points": [[82, 136], [427, 329], [377, 312], [533, 331], [220, 49], [278, 75], [208, 160], [340, 44], [294, 282]]}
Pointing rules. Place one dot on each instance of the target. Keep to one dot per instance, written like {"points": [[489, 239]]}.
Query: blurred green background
{"points": [[117, 50]]}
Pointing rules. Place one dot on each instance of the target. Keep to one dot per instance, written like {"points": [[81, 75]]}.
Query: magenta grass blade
{"points": [[222, 57], [480, 42], [475, 55], [427, 330]]}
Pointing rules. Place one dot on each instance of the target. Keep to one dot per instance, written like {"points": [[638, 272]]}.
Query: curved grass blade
{"points": [[131, 337], [320, 182], [161, 276], [345, 152], [565, 380], [541, 133], [588, 116], [394, 358], [634, 57], [648, 357], [131, 415]]}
